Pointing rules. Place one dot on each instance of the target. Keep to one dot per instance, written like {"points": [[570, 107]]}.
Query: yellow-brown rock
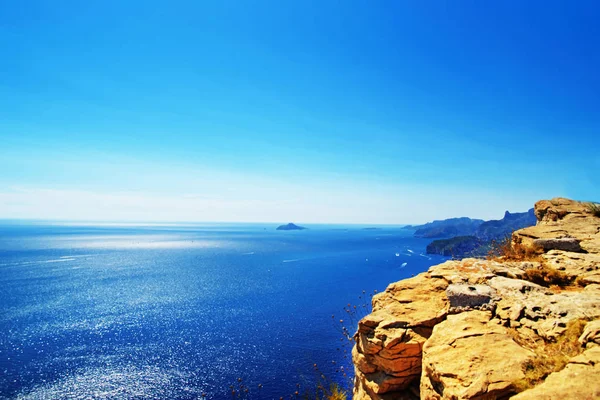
{"points": [[389, 341], [563, 219], [591, 334], [488, 361], [458, 330]]}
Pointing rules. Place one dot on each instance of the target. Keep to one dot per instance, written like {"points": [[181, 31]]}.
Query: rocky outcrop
{"points": [[469, 329], [482, 368], [563, 219], [390, 340]]}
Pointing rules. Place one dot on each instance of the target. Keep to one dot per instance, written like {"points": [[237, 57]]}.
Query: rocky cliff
{"points": [[525, 325]]}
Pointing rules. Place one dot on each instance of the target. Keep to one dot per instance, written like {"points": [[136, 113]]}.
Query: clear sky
{"points": [[304, 111]]}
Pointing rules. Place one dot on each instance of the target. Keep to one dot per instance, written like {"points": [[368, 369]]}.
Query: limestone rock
{"points": [[591, 333], [515, 287], [551, 211], [563, 219], [546, 313], [466, 357], [387, 355], [473, 270], [564, 244], [583, 266], [461, 295]]}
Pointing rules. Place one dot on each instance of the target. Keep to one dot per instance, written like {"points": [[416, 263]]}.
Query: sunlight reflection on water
{"points": [[147, 315]]}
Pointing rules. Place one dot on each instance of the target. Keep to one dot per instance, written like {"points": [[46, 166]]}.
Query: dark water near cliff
{"points": [[178, 311]]}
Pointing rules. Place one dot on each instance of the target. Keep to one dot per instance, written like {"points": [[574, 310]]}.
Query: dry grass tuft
{"points": [[507, 250], [336, 393], [547, 276], [580, 281], [549, 356], [594, 208]]}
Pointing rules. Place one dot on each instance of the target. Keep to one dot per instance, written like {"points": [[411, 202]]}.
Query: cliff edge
{"points": [[525, 324]]}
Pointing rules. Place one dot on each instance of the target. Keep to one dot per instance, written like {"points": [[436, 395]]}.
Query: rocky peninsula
{"points": [[477, 238], [524, 325]]}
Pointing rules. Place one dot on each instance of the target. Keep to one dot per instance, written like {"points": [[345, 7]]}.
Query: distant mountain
{"points": [[475, 242], [447, 228], [495, 229], [290, 227]]}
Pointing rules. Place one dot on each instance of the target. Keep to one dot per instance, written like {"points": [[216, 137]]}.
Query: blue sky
{"points": [[345, 111]]}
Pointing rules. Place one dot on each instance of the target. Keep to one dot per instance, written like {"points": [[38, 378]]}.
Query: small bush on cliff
{"points": [[355, 312], [347, 327], [594, 209], [507, 250], [335, 392], [324, 389], [550, 356]]}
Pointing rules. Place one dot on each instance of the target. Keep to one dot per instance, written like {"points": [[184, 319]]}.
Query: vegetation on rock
{"points": [[549, 356], [507, 250], [594, 209]]}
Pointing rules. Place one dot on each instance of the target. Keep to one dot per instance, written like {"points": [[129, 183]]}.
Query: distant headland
{"points": [[290, 227], [465, 237]]}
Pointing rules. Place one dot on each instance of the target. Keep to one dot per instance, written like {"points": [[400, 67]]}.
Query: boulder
{"points": [[465, 295], [389, 341], [564, 244], [466, 357]]}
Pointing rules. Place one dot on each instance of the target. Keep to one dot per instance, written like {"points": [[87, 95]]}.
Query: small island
{"points": [[290, 227]]}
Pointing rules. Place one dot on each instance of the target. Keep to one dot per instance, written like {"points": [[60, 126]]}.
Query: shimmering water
{"points": [[178, 312]]}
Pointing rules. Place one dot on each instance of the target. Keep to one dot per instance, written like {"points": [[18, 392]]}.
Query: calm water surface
{"points": [[180, 311]]}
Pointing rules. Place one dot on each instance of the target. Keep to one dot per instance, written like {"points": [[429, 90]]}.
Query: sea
{"points": [[189, 311]]}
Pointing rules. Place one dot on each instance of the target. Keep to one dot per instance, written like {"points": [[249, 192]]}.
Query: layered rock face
{"points": [[470, 329]]}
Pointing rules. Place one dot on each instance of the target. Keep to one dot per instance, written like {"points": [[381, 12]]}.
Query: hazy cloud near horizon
{"points": [[312, 206]]}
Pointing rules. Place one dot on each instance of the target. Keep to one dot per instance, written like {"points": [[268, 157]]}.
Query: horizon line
{"points": [[81, 222]]}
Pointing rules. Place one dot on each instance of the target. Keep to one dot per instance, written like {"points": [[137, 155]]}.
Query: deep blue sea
{"points": [[182, 312]]}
